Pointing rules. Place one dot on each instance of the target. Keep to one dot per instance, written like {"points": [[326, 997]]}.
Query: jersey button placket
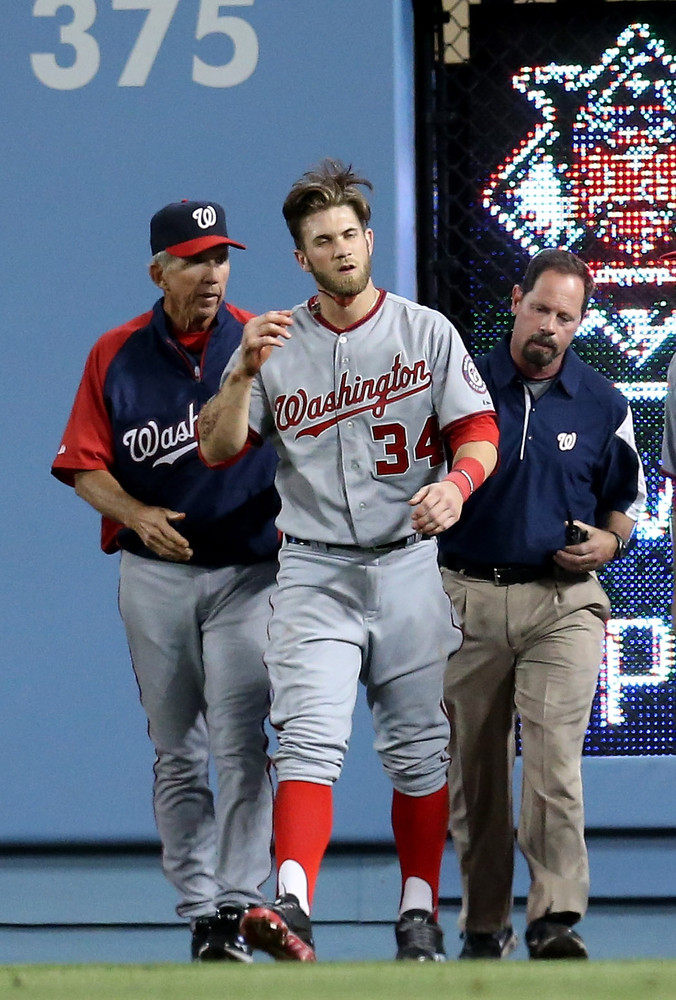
{"points": [[345, 427], [354, 464]]}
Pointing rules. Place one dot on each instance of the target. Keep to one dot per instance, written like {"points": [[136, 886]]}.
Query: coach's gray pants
{"points": [[196, 638], [534, 649]]}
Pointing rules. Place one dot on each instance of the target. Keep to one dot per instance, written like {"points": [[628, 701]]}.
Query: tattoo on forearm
{"points": [[208, 418]]}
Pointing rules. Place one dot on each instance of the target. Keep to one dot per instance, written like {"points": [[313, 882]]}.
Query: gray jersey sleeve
{"points": [[669, 435]]}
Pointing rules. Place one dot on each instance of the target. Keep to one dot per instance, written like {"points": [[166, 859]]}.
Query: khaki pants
{"points": [[532, 649]]}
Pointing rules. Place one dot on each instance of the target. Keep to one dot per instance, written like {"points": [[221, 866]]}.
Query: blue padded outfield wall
{"points": [[110, 109]]}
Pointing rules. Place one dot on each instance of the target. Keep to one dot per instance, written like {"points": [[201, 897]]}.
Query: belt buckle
{"points": [[497, 579]]}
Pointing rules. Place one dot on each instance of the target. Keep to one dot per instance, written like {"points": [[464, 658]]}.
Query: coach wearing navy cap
{"points": [[198, 561], [185, 228]]}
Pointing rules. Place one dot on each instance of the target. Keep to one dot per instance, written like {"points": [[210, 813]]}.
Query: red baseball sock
{"points": [[420, 827], [303, 821]]}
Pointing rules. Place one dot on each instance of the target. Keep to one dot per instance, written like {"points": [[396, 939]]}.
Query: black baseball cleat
{"points": [[282, 929], [548, 938], [419, 937], [489, 944], [218, 938]]}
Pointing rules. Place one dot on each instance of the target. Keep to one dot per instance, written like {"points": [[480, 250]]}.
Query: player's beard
{"points": [[343, 285]]}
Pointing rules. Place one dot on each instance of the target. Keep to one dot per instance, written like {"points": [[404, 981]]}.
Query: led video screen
{"points": [[572, 143]]}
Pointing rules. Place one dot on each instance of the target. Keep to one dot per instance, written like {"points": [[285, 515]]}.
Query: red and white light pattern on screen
{"points": [[619, 179], [616, 181], [611, 188]]}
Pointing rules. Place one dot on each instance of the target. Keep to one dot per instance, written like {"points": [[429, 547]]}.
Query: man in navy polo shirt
{"points": [[198, 563], [524, 584]]}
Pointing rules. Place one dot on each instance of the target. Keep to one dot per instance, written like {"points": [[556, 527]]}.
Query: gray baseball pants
{"points": [[342, 617], [196, 638]]}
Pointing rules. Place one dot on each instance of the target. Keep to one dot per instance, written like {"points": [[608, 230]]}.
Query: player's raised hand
{"points": [[435, 507], [223, 424], [261, 334], [153, 526]]}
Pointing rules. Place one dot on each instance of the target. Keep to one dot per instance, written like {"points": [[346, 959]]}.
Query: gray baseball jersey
{"points": [[357, 417], [669, 436]]}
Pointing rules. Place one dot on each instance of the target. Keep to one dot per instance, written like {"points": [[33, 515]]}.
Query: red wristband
{"points": [[467, 474]]}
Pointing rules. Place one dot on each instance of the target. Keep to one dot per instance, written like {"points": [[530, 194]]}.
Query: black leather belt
{"points": [[401, 543], [501, 576]]}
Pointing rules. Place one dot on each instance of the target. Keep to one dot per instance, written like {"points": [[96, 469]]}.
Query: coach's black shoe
{"points": [[219, 939], [419, 937], [282, 929], [495, 944], [551, 938]]}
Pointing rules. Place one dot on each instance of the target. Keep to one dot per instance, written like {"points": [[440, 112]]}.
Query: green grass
{"points": [[630, 980]]}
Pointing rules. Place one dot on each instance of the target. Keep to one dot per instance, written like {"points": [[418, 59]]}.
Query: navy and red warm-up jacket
{"points": [[135, 415]]}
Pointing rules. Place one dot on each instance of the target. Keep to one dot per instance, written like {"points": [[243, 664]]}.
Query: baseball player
{"points": [[198, 561], [359, 391]]}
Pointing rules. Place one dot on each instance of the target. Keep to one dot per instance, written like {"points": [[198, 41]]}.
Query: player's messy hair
{"points": [[563, 262], [328, 185]]}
